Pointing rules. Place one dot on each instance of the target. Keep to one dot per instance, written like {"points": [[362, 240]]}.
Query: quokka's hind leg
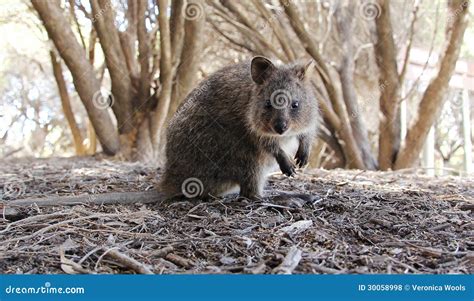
{"points": [[251, 185], [224, 189]]}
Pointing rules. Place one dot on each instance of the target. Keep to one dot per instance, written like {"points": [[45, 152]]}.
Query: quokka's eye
{"points": [[295, 104], [268, 104]]}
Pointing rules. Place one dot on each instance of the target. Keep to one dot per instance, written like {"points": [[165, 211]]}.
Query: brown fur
{"points": [[225, 134]]}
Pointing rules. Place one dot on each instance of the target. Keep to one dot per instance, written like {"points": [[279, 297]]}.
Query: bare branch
{"points": [[432, 100], [143, 54], [186, 73], [166, 75], [114, 56], [386, 58], [346, 72], [277, 29], [351, 151], [411, 33], [66, 104]]}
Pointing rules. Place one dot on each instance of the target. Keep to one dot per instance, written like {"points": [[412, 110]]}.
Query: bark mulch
{"points": [[359, 222]]}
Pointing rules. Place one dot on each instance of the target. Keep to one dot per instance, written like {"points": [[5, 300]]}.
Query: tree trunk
{"points": [[433, 100], [104, 24], [158, 117], [351, 150], [386, 58], [186, 74], [177, 30], [84, 78], [92, 145], [428, 153], [346, 73], [66, 105], [466, 131], [143, 54]]}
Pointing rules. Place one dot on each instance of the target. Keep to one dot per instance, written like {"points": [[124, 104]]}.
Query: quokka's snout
{"points": [[280, 126]]}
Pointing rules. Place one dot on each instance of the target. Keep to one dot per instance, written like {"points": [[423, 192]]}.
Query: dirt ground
{"points": [[359, 222]]}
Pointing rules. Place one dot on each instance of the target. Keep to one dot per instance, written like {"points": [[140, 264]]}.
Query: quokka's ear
{"points": [[304, 70], [261, 68]]}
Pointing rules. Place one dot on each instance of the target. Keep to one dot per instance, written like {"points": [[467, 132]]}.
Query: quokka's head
{"points": [[282, 102]]}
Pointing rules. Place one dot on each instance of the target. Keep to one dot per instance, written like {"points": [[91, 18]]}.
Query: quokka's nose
{"points": [[281, 126]]}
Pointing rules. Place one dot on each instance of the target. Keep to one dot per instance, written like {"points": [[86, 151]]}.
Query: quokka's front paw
{"points": [[288, 168], [301, 158]]}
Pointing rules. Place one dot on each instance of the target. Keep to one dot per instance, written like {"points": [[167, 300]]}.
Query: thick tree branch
{"points": [[346, 73], [351, 150], [282, 37], [233, 7], [84, 79], [411, 33], [264, 47], [104, 24], [66, 105], [72, 11], [186, 73], [166, 75], [128, 40], [433, 100], [177, 30], [386, 58], [143, 54], [230, 39]]}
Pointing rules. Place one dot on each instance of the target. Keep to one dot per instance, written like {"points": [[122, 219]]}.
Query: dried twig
{"points": [[162, 252], [176, 259], [290, 262], [127, 261]]}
